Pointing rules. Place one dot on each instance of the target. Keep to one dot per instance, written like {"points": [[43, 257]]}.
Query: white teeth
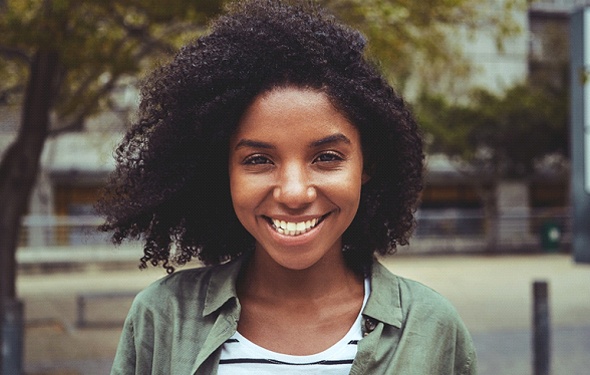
{"points": [[294, 229]]}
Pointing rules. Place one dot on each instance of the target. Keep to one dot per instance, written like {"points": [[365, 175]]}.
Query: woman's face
{"points": [[296, 170]]}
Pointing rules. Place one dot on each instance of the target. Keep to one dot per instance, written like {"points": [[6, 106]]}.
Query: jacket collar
{"points": [[384, 303], [222, 285]]}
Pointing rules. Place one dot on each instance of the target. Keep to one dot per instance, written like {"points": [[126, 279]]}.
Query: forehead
{"points": [[292, 112]]}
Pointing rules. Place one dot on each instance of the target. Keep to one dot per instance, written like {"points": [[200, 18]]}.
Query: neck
{"points": [[330, 275]]}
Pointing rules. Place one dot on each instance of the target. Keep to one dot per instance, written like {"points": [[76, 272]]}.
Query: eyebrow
{"points": [[334, 138], [253, 144]]}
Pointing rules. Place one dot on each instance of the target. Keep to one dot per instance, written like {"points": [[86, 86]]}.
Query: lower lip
{"points": [[299, 239]]}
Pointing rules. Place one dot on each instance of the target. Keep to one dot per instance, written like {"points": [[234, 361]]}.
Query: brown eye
{"points": [[257, 159], [329, 157]]}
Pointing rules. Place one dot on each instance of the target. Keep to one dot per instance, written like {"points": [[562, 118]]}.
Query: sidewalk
{"points": [[493, 295]]}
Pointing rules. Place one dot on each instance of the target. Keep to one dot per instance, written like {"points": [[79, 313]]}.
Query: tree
{"points": [[420, 43], [498, 136], [502, 135], [74, 52]]}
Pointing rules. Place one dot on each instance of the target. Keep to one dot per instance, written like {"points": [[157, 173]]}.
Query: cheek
{"points": [[246, 191], [346, 190], [353, 188]]}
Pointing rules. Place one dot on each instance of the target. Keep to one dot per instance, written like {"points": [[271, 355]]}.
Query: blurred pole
{"points": [[580, 133], [541, 334], [1, 339], [12, 338]]}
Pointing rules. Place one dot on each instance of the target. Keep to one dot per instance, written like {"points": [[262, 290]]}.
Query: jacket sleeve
{"points": [[465, 354], [125, 358], [135, 352]]}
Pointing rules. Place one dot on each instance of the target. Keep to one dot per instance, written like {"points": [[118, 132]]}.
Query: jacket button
{"points": [[370, 325]]}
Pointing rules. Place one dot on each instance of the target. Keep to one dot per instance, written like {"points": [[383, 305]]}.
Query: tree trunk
{"points": [[19, 167]]}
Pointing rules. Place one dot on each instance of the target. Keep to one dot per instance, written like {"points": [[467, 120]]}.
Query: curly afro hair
{"points": [[171, 185]]}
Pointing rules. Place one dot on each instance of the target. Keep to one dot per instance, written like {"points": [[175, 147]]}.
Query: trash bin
{"points": [[550, 236]]}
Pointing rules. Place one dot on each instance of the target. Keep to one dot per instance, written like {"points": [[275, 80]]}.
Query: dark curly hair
{"points": [[171, 184]]}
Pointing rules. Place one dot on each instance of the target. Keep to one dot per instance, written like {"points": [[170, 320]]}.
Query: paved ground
{"points": [[493, 294], [494, 297]]}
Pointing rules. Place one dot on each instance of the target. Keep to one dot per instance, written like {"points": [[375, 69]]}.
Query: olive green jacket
{"points": [[178, 325]]}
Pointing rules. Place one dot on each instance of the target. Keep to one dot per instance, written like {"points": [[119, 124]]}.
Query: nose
{"points": [[294, 187]]}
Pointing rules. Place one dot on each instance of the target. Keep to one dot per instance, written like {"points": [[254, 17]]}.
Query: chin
{"points": [[298, 263]]}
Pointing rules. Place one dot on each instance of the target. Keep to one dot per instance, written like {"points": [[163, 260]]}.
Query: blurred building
{"points": [[454, 202]]}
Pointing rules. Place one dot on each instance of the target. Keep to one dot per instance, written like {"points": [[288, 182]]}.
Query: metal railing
{"points": [[48, 231], [460, 230], [436, 230], [474, 223]]}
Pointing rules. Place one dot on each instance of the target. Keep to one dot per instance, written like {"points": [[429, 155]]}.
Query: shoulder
{"points": [[415, 300], [176, 285], [420, 298], [427, 323], [188, 289]]}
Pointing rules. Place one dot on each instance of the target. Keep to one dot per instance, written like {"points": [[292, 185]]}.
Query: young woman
{"points": [[275, 153]]}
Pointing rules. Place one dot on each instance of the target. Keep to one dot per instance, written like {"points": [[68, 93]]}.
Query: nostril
{"points": [[294, 195]]}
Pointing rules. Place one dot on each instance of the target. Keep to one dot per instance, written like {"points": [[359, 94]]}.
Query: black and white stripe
{"points": [[268, 361]]}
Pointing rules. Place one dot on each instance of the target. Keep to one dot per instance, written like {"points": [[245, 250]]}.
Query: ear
{"points": [[365, 177]]}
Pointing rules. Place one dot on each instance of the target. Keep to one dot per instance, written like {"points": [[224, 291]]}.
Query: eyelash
{"points": [[255, 159], [334, 157], [261, 159]]}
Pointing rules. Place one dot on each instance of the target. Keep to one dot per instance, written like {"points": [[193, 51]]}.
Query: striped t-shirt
{"points": [[239, 356]]}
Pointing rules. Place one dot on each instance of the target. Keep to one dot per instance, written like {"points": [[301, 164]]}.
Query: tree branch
{"points": [[15, 54], [7, 92], [77, 122]]}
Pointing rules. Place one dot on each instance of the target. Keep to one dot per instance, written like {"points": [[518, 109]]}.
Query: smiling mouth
{"points": [[289, 228]]}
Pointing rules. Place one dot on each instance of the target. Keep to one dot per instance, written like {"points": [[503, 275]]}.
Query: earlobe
{"points": [[365, 178]]}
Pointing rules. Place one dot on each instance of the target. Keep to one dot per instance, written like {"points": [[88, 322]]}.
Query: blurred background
{"points": [[489, 83]]}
